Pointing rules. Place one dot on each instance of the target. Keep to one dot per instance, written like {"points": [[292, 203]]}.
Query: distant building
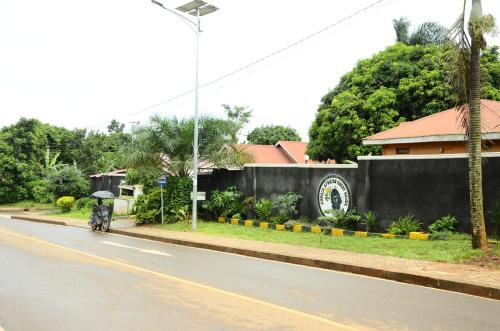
{"points": [[440, 133], [284, 152]]}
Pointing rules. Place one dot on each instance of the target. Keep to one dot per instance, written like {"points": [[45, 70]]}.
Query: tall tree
{"points": [[240, 115], [427, 33], [401, 83], [271, 134], [465, 59], [115, 126]]}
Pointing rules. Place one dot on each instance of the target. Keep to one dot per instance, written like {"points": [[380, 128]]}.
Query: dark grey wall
{"points": [[427, 188], [269, 182], [106, 183]]}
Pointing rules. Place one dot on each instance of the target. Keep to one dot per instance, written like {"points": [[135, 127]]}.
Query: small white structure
{"points": [[124, 204]]}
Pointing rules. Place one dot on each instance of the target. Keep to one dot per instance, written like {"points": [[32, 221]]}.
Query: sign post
{"points": [[162, 180]]}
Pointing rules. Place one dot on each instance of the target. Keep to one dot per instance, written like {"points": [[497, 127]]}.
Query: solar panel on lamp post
{"points": [[196, 8]]}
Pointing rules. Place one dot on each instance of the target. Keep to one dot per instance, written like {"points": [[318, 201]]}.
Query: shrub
{"points": [[279, 219], [176, 196], [404, 225], [68, 181], [444, 224], [340, 219], [287, 204], [249, 204], [290, 224], [41, 191], [263, 209], [85, 203], [369, 220], [144, 211], [65, 204], [226, 203], [345, 220], [182, 214]]}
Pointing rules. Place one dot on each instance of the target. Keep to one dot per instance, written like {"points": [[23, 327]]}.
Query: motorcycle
{"points": [[101, 216]]}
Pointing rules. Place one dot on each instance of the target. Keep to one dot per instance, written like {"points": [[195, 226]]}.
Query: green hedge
{"points": [[176, 195]]}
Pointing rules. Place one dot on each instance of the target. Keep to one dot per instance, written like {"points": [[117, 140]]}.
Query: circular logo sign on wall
{"points": [[334, 194]]}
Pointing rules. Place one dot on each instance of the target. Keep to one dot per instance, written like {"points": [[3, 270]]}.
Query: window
{"points": [[402, 150]]}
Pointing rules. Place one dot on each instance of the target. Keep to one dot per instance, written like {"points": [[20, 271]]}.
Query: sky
{"points": [[80, 64]]}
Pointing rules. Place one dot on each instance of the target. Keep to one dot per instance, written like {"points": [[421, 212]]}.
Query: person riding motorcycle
{"points": [[100, 214]]}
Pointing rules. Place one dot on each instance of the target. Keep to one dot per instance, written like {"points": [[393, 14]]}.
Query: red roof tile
{"points": [[295, 150], [440, 125], [265, 154]]}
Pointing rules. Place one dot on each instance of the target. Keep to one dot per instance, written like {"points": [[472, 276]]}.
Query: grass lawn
{"points": [[82, 214], [434, 250], [28, 204]]}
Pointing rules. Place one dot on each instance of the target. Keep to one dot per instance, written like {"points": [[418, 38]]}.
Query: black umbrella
{"points": [[102, 195]]}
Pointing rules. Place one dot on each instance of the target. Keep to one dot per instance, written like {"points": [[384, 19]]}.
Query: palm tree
{"points": [[464, 61], [167, 143], [425, 34]]}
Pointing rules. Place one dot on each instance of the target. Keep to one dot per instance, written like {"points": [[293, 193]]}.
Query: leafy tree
{"points": [[98, 152], [147, 177], [116, 127], [401, 83], [240, 116], [68, 181], [465, 64], [271, 134], [167, 143]]}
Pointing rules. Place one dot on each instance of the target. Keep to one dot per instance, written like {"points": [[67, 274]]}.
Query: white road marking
{"points": [[147, 251]]}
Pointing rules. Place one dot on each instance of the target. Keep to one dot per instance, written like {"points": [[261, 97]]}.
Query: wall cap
{"points": [[329, 166], [425, 156]]}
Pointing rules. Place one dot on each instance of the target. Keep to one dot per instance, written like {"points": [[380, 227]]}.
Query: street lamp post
{"points": [[196, 8]]}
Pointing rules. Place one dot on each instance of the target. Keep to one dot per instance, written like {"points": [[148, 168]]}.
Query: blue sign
{"points": [[162, 180]]}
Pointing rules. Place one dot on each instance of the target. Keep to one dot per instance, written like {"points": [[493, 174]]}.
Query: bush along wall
{"points": [[176, 196]]}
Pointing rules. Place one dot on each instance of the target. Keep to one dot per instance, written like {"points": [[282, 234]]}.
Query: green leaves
{"points": [[271, 134], [398, 84]]}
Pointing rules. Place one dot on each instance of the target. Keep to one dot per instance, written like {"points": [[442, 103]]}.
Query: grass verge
{"points": [[82, 214], [451, 251], [28, 204]]}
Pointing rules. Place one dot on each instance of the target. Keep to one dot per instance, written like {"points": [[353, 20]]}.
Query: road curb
{"points": [[437, 283], [36, 220], [443, 284]]}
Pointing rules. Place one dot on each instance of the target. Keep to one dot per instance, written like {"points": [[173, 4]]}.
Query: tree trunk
{"points": [[475, 166]]}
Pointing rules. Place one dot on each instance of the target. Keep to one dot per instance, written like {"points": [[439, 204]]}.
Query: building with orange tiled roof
{"points": [[440, 133], [284, 152]]}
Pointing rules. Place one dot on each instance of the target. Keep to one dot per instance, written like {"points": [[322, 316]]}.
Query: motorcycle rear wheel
{"points": [[105, 225]]}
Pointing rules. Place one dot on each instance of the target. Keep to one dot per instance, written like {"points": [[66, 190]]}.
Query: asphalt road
{"points": [[64, 278]]}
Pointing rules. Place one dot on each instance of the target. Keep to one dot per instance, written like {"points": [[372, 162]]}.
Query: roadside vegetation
{"points": [[454, 250]]}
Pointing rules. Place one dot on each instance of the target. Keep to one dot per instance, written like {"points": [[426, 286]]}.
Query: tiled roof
{"points": [[295, 150], [445, 125], [265, 154]]}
